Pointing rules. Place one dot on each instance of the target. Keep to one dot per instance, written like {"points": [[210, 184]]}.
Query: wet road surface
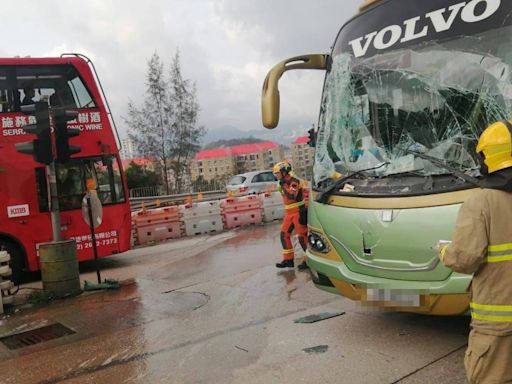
{"points": [[214, 309]]}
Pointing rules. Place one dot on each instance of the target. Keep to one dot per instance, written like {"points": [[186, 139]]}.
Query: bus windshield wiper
{"points": [[323, 195], [441, 164]]}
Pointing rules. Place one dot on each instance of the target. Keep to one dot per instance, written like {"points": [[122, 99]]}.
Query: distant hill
{"points": [[232, 142], [284, 134], [223, 133]]}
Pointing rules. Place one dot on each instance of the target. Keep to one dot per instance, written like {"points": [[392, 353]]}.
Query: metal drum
{"points": [[59, 268]]}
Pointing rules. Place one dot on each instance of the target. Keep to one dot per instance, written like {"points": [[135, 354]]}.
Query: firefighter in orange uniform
{"points": [[295, 217], [482, 246]]}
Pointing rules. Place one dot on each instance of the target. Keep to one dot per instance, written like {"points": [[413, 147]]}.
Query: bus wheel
{"points": [[17, 262]]}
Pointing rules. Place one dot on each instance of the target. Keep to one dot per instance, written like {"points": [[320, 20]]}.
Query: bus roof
{"points": [[41, 60]]}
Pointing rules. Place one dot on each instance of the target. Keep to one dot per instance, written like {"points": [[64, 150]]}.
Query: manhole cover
{"points": [[36, 336], [177, 302]]}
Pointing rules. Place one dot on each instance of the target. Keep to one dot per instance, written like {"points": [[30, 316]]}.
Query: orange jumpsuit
{"points": [[292, 193]]}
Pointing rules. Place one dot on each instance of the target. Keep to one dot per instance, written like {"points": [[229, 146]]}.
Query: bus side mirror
{"points": [[270, 93]]}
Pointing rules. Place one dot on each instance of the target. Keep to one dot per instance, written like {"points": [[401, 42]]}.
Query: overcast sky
{"points": [[227, 47]]}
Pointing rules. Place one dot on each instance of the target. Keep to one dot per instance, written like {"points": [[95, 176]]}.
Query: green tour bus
{"points": [[409, 87]]}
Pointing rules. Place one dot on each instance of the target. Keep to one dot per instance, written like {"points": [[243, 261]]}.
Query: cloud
{"points": [[286, 27], [227, 47]]}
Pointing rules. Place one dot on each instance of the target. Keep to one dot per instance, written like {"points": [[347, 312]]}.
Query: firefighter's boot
{"points": [[285, 264], [302, 266]]}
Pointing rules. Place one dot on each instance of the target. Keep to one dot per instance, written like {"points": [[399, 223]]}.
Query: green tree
{"points": [[165, 126], [138, 176], [186, 132], [149, 125]]}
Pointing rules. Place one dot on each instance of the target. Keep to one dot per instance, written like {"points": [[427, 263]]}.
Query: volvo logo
{"points": [[415, 28]]}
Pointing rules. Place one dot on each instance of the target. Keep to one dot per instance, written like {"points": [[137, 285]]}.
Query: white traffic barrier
{"points": [[273, 206], [6, 285], [202, 217], [4, 257], [5, 271]]}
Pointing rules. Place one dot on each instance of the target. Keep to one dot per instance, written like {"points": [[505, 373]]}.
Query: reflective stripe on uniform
{"points": [[294, 205], [498, 253], [443, 252], [287, 250], [495, 313]]}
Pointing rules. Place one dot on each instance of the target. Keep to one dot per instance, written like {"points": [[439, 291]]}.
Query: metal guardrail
{"points": [[136, 203], [186, 188], [144, 192]]}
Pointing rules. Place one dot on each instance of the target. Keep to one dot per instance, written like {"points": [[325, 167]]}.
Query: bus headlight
{"points": [[318, 243]]}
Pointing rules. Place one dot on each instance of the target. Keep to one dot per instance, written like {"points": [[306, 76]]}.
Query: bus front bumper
{"points": [[448, 297]]}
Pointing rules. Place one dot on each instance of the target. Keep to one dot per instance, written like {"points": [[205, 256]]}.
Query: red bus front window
{"points": [[60, 85], [72, 181]]}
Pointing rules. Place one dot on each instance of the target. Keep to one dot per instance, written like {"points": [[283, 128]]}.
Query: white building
{"points": [[127, 149]]}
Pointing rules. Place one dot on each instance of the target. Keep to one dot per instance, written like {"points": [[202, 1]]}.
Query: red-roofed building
{"points": [[142, 161], [303, 157], [222, 163]]}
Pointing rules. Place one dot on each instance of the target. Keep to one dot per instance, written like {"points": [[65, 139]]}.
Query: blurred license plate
{"points": [[395, 297]]}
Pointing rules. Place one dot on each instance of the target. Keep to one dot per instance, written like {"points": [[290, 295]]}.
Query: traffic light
{"points": [[40, 148], [63, 134], [312, 137]]}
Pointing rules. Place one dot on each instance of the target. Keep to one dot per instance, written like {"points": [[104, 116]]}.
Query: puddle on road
{"points": [[247, 259], [289, 276]]}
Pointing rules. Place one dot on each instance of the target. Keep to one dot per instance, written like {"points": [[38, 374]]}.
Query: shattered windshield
{"points": [[435, 99]]}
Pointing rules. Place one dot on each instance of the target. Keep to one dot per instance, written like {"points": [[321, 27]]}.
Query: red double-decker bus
{"points": [[69, 82]]}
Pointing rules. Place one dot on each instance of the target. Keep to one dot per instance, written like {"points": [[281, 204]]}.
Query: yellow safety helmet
{"points": [[495, 146], [282, 167]]}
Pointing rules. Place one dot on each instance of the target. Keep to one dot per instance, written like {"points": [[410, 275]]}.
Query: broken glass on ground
{"points": [[317, 317], [317, 349]]}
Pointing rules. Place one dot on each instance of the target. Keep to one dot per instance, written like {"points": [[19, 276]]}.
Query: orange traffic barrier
{"points": [[158, 224], [241, 211]]}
